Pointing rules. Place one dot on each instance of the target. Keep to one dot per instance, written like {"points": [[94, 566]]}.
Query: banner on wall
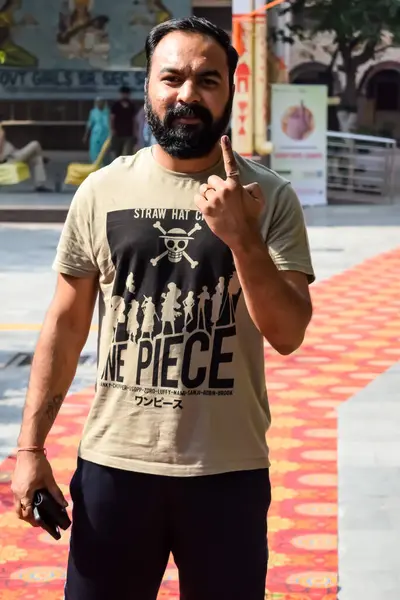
{"points": [[46, 46], [299, 136]]}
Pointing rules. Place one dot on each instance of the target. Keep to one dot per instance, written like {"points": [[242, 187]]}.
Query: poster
{"points": [[299, 135], [76, 48]]}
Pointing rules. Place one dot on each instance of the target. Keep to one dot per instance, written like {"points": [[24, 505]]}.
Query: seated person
{"points": [[30, 154]]}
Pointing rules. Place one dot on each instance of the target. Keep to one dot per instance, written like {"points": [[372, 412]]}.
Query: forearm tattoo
{"points": [[53, 407]]}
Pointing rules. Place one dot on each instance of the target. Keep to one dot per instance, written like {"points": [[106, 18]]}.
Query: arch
{"points": [[386, 65], [314, 72], [381, 87], [309, 71]]}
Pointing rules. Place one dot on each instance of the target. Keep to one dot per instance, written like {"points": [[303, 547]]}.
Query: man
{"points": [[173, 456], [30, 154], [123, 124]]}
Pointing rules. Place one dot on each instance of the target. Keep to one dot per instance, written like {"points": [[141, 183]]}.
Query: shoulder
{"points": [[121, 167], [251, 171]]}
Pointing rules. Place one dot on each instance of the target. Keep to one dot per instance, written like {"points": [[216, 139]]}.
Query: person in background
{"points": [[123, 124], [144, 135], [31, 154], [148, 136], [97, 128], [140, 120]]}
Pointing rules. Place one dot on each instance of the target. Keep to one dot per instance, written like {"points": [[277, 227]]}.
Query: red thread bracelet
{"points": [[32, 449]]}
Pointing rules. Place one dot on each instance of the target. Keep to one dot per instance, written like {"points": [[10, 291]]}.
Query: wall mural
{"points": [[76, 47]]}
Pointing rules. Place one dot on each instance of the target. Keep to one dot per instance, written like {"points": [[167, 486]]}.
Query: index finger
{"points": [[230, 164]]}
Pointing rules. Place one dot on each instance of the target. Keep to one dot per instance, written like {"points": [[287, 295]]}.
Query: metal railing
{"points": [[360, 168]]}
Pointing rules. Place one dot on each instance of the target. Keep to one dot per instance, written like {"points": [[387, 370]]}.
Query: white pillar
{"points": [[250, 114], [260, 112]]}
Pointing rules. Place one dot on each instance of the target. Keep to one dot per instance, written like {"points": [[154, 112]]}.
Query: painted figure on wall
{"points": [[81, 34], [147, 13], [13, 55]]}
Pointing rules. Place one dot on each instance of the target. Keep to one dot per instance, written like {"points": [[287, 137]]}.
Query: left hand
{"points": [[230, 209]]}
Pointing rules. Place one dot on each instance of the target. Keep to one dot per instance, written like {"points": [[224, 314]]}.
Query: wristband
{"points": [[32, 449]]}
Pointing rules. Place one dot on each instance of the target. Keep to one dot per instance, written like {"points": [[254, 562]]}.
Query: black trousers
{"points": [[126, 524]]}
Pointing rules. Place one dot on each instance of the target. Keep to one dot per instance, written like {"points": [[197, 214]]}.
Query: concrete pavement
{"points": [[369, 490]]}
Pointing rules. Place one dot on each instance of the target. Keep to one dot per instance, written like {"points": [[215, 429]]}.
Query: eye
{"points": [[172, 79], [209, 82]]}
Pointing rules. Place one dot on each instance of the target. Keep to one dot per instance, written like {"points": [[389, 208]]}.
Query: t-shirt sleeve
{"points": [[75, 251], [287, 237]]}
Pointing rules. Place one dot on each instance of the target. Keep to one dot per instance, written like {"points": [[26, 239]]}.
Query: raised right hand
{"points": [[32, 472]]}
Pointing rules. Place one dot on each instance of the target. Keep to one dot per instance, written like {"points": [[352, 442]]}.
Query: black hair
{"points": [[192, 25], [124, 89]]}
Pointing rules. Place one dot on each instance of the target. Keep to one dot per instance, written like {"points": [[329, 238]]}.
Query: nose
{"points": [[188, 92]]}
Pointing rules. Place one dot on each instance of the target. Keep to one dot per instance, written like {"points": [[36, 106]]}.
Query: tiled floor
{"points": [[354, 337]]}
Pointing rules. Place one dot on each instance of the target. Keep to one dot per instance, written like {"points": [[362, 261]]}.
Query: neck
{"points": [[179, 165]]}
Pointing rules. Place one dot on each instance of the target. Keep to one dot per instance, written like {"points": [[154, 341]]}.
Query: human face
{"points": [[125, 96], [188, 98]]}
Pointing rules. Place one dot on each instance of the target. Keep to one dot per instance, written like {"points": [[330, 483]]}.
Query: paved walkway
{"points": [[353, 339], [369, 482]]}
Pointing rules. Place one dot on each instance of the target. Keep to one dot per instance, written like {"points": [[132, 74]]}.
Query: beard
{"points": [[184, 140]]}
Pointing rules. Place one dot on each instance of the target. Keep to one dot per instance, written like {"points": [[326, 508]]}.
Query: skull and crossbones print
{"points": [[176, 241]]}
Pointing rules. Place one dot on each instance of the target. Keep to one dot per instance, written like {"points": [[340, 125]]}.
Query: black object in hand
{"points": [[49, 514]]}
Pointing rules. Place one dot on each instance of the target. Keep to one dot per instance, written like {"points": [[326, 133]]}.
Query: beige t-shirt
{"points": [[180, 385]]}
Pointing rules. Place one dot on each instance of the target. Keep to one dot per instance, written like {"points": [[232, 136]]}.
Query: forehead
{"points": [[189, 52]]}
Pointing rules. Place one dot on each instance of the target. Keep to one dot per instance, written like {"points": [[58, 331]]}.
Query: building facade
{"points": [[378, 81], [56, 56]]}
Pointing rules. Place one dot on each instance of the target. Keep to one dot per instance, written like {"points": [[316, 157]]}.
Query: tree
{"points": [[360, 29]]}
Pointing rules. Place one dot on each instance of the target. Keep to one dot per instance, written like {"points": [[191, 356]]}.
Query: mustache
{"points": [[192, 111]]}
